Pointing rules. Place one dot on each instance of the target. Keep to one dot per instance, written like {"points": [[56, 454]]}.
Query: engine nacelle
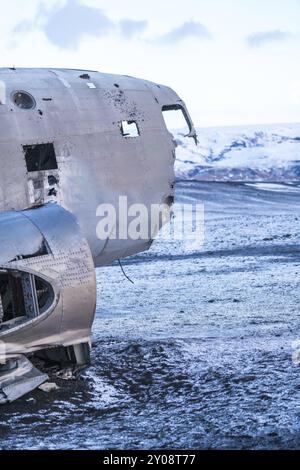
{"points": [[47, 284]]}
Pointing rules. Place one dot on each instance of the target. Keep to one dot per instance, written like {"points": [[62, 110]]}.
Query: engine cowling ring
{"points": [[47, 281]]}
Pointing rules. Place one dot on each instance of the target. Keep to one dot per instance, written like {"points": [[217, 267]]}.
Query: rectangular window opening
{"points": [[40, 157], [130, 129]]}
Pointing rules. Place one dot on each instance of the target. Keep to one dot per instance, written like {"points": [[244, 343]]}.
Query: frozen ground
{"points": [[198, 352]]}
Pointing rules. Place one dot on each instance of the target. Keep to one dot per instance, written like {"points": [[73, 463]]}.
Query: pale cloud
{"points": [[189, 29], [66, 26], [132, 28], [261, 38]]}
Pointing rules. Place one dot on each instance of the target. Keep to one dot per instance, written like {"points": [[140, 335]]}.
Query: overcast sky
{"points": [[232, 61]]}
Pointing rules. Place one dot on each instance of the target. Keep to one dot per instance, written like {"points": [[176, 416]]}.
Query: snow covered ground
{"points": [[252, 153], [197, 353]]}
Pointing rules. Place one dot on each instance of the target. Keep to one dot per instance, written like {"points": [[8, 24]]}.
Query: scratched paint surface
{"points": [[198, 352]]}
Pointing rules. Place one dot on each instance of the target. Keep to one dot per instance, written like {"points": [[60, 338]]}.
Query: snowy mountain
{"points": [[252, 153]]}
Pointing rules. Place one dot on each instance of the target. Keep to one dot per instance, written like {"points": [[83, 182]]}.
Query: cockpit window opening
{"points": [[176, 118], [40, 157], [130, 129]]}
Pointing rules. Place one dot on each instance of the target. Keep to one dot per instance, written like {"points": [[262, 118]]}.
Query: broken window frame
{"points": [[179, 107], [128, 135]]}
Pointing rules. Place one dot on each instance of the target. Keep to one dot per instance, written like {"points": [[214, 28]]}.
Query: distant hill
{"points": [[250, 153]]}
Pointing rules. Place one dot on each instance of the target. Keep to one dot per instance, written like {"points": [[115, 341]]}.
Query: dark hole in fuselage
{"points": [[169, 200], [52, 192], [52, 180], [40, 157]]}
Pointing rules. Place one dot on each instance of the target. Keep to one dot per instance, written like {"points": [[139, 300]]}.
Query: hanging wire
{"points": [[125, 275]]}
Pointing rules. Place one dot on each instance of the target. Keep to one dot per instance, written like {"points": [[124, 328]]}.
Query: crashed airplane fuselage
{"points": [[69, 141]]}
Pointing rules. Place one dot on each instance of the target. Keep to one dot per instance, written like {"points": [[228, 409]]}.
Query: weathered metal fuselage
{"points": [[64, 152]]}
